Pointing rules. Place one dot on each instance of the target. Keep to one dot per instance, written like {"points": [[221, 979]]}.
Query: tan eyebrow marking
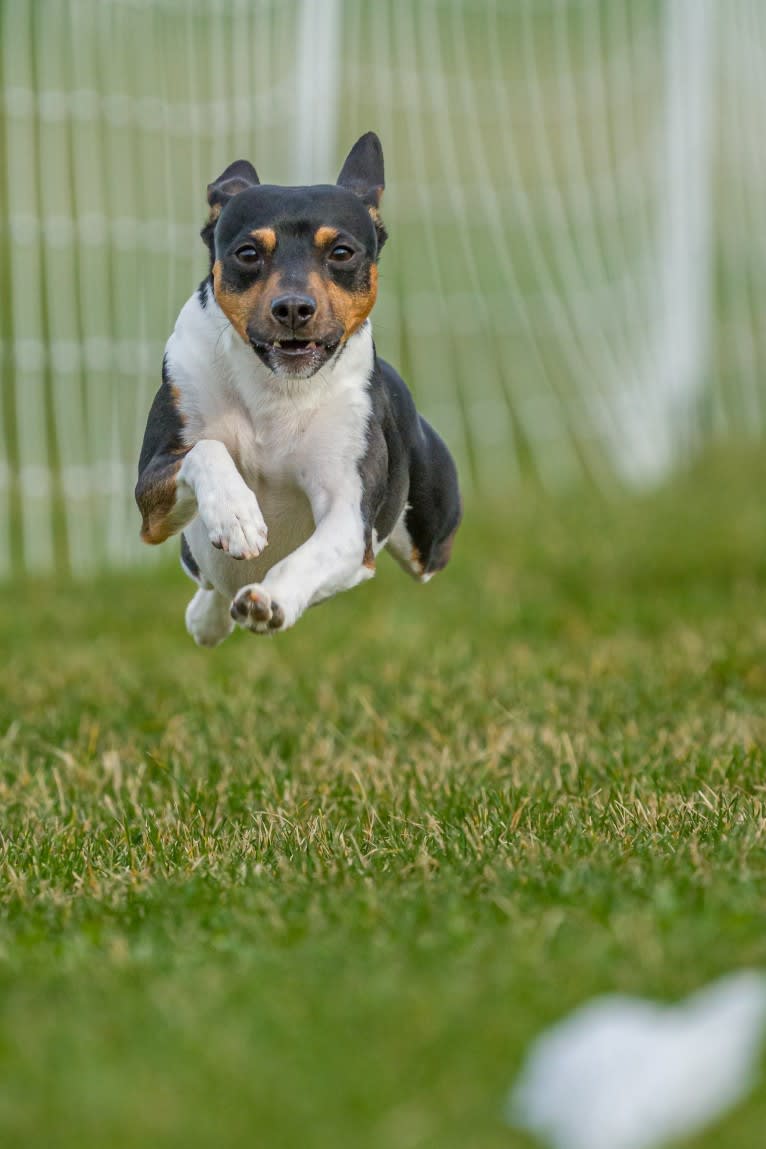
{"points": [[267, 238], [323, 236]]}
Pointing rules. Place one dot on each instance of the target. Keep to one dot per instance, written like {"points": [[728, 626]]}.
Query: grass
{"points": [[322, 891]]}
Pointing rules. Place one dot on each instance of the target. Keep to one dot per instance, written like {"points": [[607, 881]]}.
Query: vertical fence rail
{"points": [[317, 90], [6, 352], [686, 248], [25, 305]]}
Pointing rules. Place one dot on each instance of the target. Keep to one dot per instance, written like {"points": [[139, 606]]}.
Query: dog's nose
{"points": [[293, 311]]}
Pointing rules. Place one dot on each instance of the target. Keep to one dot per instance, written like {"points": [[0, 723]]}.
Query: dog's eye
{"points": [[247, 254], [342, 253]]}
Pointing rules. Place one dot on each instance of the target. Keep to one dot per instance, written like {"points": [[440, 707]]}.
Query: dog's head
{"points": [[295, 269]]}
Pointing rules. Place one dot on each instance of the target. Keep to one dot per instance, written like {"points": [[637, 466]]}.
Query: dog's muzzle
{"points": [[293, 356]]}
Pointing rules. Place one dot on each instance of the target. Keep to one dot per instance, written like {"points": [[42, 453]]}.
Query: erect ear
{"points": [[363, 174], [236, 178]]}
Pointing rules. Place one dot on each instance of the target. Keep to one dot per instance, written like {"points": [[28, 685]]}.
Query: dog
{"points": [[285, 451]]}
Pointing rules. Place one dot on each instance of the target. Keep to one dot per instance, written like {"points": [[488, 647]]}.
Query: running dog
{"points": [[285, 451]]}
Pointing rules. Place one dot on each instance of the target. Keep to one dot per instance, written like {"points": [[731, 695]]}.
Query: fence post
{"points": [[317, 105], [686, 233]]}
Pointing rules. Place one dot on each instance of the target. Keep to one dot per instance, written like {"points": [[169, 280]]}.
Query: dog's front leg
{"points": [[331, 560], [209, 480]]}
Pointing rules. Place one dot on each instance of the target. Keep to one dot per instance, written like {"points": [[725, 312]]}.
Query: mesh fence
{"points": [[575, 274]]}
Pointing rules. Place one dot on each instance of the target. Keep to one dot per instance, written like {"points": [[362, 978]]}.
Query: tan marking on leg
{"points": [[157, 502]]}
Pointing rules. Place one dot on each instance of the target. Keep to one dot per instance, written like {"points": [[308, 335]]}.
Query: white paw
{"points": [[255, 609], [207, 618], [234, 522]]}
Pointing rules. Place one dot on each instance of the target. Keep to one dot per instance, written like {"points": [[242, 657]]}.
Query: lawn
{"points": [[322, 891]]}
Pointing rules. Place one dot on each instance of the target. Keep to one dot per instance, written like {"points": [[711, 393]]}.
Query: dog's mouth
{"points": [[294, 356]]}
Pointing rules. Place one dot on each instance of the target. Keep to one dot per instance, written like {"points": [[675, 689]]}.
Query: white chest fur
{"points": [[291, 440]]}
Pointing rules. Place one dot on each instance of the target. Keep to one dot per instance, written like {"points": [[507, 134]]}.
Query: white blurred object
{"points": [[622, 1073]]}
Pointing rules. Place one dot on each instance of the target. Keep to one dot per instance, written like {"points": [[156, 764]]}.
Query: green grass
{"points": [[323, 891]]}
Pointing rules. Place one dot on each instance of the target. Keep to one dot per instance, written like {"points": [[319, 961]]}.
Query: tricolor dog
{"points": [[281, 446]]}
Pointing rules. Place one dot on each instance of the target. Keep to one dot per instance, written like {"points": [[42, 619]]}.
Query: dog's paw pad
{"points": [[254, 608]]}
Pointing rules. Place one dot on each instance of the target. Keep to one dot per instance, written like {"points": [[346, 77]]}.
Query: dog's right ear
{"points": [[362, 173], [237, 177]]}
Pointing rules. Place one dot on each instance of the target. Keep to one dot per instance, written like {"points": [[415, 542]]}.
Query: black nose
{"points": [[293, 311]]}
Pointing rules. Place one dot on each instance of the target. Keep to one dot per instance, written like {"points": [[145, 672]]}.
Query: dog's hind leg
{"points": [[190, 566], [207, 615], [207, 618], [422, 538], [400, 546]]}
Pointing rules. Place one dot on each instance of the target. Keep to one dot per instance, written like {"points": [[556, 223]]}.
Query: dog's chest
{"points": [[276, 449], [275, 453], [286, 444], [272, 471]]}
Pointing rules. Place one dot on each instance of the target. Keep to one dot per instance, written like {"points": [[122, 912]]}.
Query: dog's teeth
{"points": [[311, 346], [277, 343]]}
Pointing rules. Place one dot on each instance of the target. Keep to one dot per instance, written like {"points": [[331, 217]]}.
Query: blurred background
{"points": [[575, 197]]}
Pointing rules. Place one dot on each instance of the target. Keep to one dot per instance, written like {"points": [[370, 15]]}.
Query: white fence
{"points": [[575, 198]]}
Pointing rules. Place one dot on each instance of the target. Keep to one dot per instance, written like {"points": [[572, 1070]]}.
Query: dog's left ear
{"points": [[237, 177], [362, 173]]}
